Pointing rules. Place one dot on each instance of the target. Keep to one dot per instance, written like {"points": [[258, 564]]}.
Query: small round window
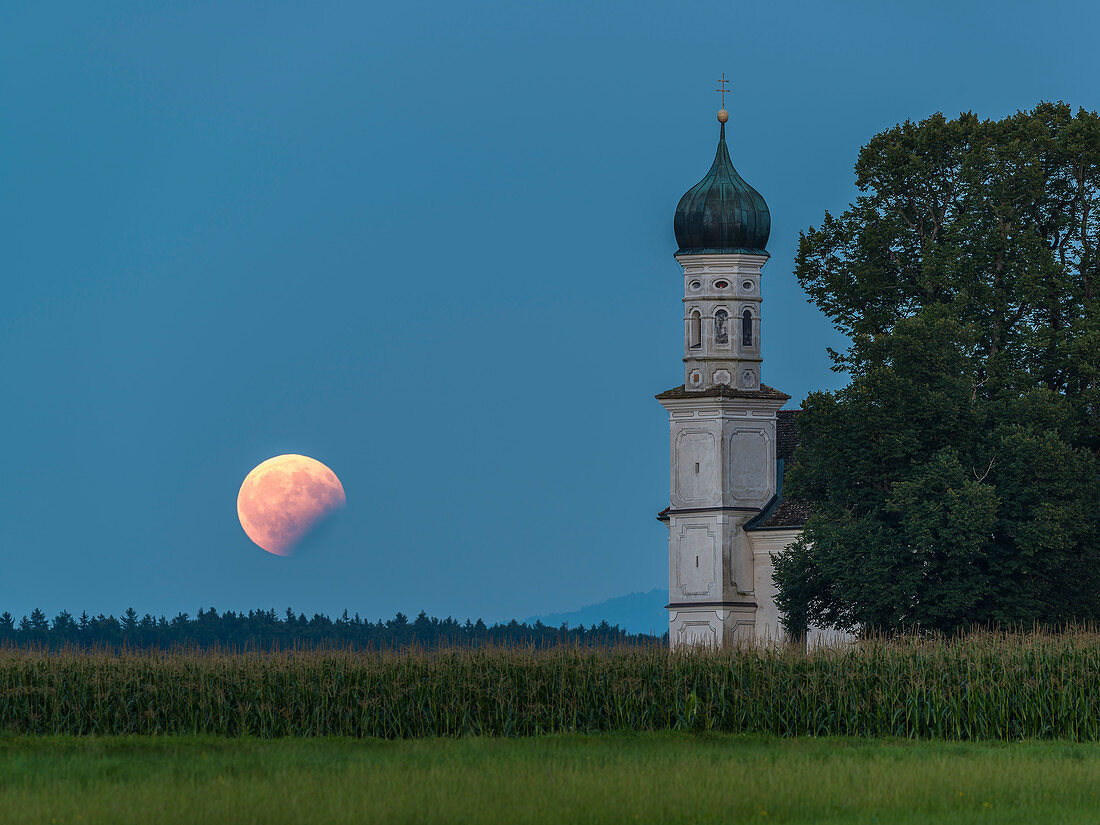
{"points": [[747, 285], [721, 284], [695, 284]]}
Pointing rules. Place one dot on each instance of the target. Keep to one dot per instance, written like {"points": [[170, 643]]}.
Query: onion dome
{"points": [[722, 213]]}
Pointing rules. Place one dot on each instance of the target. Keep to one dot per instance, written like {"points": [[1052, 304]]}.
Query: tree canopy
{"points": [[955, 480]]}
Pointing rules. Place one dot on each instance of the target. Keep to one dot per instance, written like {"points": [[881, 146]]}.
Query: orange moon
{"points": [[284, 498]]}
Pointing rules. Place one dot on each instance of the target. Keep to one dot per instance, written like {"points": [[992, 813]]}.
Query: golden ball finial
{"points": [[723, 115]]}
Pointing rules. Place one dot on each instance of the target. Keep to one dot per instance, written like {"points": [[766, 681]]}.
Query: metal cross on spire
{"points": [[722, 84]]}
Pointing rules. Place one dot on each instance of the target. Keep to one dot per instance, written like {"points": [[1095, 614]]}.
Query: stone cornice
{"points": [[767, 396], [712, 605], [722, 259]]}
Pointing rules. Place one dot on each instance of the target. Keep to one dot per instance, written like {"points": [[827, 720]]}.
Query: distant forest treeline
{"points": [[267, 630]]}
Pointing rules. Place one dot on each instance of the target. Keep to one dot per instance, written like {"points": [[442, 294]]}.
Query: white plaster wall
{"points": [[732, 440], [716, 363], [721, 471], [765, 544], [695, 559], [828, 637], [708, 557], [709, 627]]}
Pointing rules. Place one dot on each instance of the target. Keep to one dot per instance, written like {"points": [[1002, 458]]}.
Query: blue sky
{"points": [[429, 244]]}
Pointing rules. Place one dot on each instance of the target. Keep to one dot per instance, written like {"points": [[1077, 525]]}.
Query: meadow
{"points": [[977, 687], [985, 727], [606, 778]]}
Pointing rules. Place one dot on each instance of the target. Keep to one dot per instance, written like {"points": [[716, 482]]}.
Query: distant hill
{"points": [[634, 613]]}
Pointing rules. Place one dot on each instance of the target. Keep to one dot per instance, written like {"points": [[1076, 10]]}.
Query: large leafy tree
{"points": [[955, 479]]}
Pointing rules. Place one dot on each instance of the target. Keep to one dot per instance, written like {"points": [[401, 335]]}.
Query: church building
{"points": [[729, 433]]}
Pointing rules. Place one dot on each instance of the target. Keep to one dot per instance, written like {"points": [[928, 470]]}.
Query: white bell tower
{"points": [[722, 421]]}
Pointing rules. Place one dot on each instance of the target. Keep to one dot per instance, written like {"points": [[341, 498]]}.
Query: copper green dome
{"points": [[722, 213]]}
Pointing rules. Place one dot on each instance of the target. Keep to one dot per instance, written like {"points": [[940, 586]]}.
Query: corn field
{"points": [[983, 686]]}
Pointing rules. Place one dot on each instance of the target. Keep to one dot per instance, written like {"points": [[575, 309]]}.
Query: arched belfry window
{"points": [[721, 327], [695, 330], [746, 328]]}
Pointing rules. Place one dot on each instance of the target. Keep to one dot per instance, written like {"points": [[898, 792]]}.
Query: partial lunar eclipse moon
{"points": [[284, 498]]}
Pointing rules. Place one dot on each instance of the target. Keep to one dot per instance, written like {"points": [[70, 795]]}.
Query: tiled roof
{"points": [[786, 433], [724, 391], [787, 514]]}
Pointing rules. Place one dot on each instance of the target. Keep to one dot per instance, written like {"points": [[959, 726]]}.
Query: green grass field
{"points": [[666, 778]]}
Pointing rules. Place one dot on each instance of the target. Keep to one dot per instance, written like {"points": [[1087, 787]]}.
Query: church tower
{"points": [[722, 420]]}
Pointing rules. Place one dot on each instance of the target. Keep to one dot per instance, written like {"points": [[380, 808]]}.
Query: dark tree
{"points": [[955, 479]]}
